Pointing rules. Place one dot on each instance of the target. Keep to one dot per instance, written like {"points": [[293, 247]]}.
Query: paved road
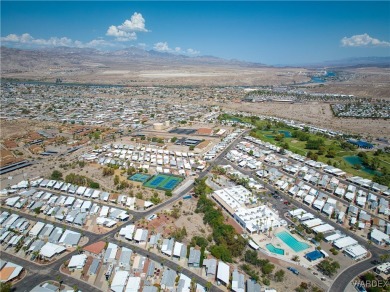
{"points": [[38, 274]]}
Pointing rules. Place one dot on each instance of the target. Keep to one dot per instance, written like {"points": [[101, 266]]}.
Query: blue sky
{"points": [[268, 32]]}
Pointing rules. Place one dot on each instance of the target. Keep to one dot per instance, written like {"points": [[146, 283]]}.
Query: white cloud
{"points": [[164, 47], [126, 31], [28, 40], [121, 35], [135, 23], [363, 40], [192, 52], [161, 47]]}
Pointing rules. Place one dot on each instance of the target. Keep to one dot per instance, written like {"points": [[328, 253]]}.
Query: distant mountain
{"points": [[22, 60], [354, 62]]}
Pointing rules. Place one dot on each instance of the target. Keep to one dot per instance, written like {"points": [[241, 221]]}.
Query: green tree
{"points": [[5, 287], [279, 276], [329, 267], [56, 175]]}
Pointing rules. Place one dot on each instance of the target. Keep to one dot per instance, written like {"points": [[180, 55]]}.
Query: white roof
{"points": [[356, 251], [344, 242], [77, 261], [133, 284], [223, 272], [332, 237], [323, 228], [297, 212], [119, 281], [138, 234], [313, 222], [379, 235], [36, 229], [177, 249], [50, 249]]}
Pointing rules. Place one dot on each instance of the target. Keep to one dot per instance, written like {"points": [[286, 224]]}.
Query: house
{"points": [[223, 273], [211, 267], [77, 262], [378, 237], [124, 260], [133, 284], [356, 252], [119, 281], [127, 232], [139, 263], [55, 235], [70, 238], [252, 286], [93, 269], [50, 249], [9, 271], [110, 254], [141, 235], [168, 280], [95, 249], [184, 284], [194, 258], [179, 250], [238, 281], [167, 246]]}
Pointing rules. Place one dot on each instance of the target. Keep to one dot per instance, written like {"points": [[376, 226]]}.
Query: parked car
{"points": [[295, 271]]}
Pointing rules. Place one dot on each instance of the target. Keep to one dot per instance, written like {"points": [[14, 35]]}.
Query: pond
{"points": [[286, 134], [353, 160]]}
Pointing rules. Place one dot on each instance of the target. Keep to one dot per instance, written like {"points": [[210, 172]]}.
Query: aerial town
{"points": [[226, 160]]}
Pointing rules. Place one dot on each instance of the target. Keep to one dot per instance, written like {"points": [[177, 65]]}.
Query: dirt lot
{"points": [[166, 224]]}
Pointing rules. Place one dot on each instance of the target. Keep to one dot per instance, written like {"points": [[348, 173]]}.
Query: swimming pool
{"points": [[288, 239], [274, 249]]}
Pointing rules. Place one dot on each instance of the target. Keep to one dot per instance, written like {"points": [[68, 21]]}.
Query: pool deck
{"points": [[262, 240]]}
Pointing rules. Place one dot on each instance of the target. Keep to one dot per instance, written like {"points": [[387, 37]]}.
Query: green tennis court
{"points": [[163, 182], [139, 177]]}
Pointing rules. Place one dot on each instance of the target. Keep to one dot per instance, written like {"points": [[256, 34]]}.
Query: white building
{"points": [[77, 261], [378, 237]]}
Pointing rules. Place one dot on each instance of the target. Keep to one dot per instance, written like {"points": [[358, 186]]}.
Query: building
{"points": [[223, 273], [194, 258], [119, 281], [211, 267], [378, 237], [252, 286], [49, 250], [124, 260], [167, 246], [77, 262], [168, 279], [9, 271], [238, 281], [356, 252], [95, 249]]}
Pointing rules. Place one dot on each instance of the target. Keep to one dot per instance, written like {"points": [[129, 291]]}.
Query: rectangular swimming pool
{"points": [[290, 240]]}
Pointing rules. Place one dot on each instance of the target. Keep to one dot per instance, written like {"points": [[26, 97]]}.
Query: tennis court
{"points": [[163, 182], [139, 177]]}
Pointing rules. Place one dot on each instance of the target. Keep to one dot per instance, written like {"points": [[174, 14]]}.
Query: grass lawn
{"points": [[267, 131]]}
